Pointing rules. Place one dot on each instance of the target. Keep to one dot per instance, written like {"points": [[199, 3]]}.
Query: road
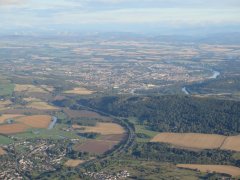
{"points": [[123, 146], [52, 124]]}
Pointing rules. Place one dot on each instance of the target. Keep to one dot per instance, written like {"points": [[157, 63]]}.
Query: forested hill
{"points": [[175, 113]]}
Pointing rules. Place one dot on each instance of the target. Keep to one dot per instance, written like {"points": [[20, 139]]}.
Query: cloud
{"points": [[79, 13], [11, 2], [154, 15]]}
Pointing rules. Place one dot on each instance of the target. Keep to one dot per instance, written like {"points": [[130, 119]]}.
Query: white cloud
{"points": [[153, 15], [11, 2]]}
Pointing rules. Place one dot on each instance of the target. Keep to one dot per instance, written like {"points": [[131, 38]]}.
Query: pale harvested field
{"points": [[5, 103], [36, 121], [4, 117], [13, 128], [80, 91], [31, 99], [199, 141], [231, 143], [102, 128], [73, 162], [191, 140], [41, 106], [2, 152], [28, 88], [231, 170], [48, 88]]}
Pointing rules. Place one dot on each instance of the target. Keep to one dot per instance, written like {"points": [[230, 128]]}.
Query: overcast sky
{"points": [[121, 14]]}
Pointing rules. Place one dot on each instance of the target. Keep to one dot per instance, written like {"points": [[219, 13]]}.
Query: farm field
{"points": [[36, 121], [73, 162], [231, 170], [232, 143], [47, 88], [6, 87], [5, 103], [5, 117], [13, 128], [95, 146], [2, 152], [85, 114], [23, 123], [41, 106], [199, 141], [55, 133], [112, 137], [5, 140], [102, 128], [28, 88], [80, 91]]}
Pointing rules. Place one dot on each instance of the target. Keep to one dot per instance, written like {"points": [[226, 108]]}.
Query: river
{"points": [[184, 89], [214, 76]]}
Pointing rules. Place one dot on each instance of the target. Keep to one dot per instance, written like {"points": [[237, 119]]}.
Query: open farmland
{"points": [[6, 87], [113, 137], [85, 114], [73, 162], [36, 121], [5, 117], [5, 103], [95, 146], [80, 91], [13, 128], [232, 143], [102, 128], [28, 88], [2, 152], [191, 140], [41, 106], [199, 141], [231, 170]]}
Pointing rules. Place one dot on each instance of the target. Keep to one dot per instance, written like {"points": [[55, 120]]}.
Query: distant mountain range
{"points": [[220, 38]]}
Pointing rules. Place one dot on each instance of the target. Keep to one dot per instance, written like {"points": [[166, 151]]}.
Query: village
{"points": [[26, 157]]}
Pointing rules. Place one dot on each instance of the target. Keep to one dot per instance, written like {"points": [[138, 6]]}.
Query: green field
{"points": [[5, 140], [6, 87], [55, 133], [142, 130]]}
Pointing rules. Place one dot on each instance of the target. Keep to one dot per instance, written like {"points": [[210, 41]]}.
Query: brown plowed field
{"points": [[84, 114], [95, 146], [113, 137], [13, 128], [102, 128], [37, 121]]}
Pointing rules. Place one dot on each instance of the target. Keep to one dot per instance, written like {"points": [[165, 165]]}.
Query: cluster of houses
{"points": [[106, 176], [35, 156]]}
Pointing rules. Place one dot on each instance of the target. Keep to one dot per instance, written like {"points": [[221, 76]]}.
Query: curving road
{"points": [[122, 147]]}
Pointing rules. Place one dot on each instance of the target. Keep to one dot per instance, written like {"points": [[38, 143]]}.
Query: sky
{"points": [[159, 16]]}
